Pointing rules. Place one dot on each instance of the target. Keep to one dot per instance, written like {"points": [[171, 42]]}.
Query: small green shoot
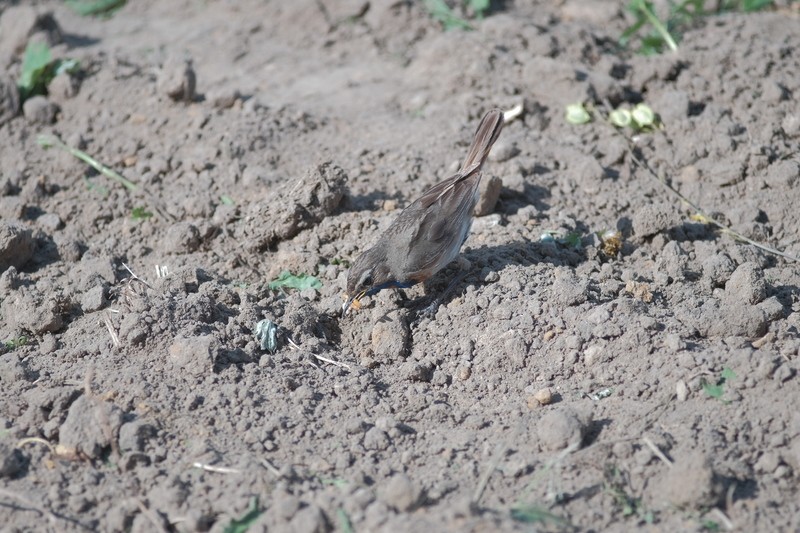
{"points": [[441, 12], [660, 36], [710, 525], [140, 213], [620, 118], [88, 8], [535, 514], [33, 78], [615, 485], [340, 262], [287, 280], [337, 482], [665, 34], [13, 344], [641, 118], [479, 7], [718, 390], [577, 114], [573, 239], [49, 141], [227, 200], [345, 525], [242, 524], [39, 69]]}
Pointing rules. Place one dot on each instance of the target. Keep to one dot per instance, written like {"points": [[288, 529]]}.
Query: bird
{"points": [[428, 234]]}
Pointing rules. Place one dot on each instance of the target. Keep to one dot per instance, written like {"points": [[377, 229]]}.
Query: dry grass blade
{"points": [[657, 451], [500, 452], [217, 469], [135, 277], [700, 215], [157, 524], [111, 330], [36, 440], [296, 346], [269, 466]]}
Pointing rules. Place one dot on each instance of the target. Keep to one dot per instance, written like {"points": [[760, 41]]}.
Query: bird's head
{"points": [[368, 275]]}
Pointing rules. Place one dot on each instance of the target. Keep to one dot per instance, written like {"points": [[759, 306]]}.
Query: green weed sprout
{"points": [[50, 141], [577, 114]]}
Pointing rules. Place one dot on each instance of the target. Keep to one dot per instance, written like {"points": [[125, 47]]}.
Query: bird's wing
{"points": [[439, 231]]}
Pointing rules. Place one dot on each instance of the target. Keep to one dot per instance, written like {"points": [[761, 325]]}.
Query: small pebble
{"points": [[490, 187], [376, 439], [39, 110], [681, 390], [544, 396], [399, 493]]}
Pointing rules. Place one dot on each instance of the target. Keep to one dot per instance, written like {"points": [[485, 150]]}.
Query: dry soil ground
{"points": [[145, 403]]}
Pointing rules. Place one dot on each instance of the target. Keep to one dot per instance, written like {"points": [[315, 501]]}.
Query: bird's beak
{"points": [[351, 301]]}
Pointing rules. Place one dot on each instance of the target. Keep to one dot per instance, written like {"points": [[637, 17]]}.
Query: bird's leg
{"points": [[464, 266], [401, 295]]}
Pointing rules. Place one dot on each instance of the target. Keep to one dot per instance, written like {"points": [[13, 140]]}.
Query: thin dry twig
{"points": [[700, 215], [36, 440], [722, 517], [217, 469], [500, 452], [293, 345], [657, 451], [137, 278], [148, 513], [111, 330], [29, 504], [269, 466]]}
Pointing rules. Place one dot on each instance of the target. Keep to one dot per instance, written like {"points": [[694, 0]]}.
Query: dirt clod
{"points": [[399, 493], [653, 219], [90, 427], [561, 428], [39, 110], [747, 284], [691, 482], [16, 245], [489, 193]]}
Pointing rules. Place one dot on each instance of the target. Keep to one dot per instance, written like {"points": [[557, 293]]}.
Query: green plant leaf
{"points": [[242, 524], [479, 7], [440, 11], [728, 374], [288, 280], [34, 66], [643, 116], [86, 8], [345, 526], [140, 213], [534, 514], [714, 391], [577, 114], [621, 118]]}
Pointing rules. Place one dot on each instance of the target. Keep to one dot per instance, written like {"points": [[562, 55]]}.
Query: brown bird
{"points": [[428, 234]]}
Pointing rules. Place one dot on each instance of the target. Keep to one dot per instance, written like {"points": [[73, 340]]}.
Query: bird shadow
{"points": [[488, 259]]}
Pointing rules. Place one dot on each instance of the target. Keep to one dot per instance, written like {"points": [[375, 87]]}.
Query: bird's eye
{"points": [[367, 281]]}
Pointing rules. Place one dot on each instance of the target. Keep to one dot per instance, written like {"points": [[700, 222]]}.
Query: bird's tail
{"points": [[487, 133]]}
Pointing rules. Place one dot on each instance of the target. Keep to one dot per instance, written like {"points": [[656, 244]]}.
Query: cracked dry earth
{"points": [[562, 386]]}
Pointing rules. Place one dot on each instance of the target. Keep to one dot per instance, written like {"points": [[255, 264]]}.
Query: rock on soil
{"points": [[298, 205], [690, 483], [16, 245], [92, 425]]}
